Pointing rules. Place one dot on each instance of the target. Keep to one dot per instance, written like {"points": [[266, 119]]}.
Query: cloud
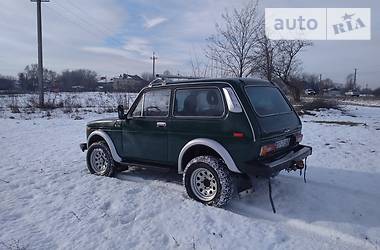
{"points": [[150, 23], [138, 45], [107, 51], [66, 29], [116, 36], [136, 48]]}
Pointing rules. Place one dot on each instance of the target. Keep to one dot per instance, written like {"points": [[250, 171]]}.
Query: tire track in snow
{"points": [[323, 232]]}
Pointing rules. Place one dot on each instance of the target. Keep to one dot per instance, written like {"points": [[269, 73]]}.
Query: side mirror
{"points": [[120, 112]]}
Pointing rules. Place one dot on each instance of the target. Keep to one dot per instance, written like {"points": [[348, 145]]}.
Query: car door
{"points": [[145, 136], [198, 112]]}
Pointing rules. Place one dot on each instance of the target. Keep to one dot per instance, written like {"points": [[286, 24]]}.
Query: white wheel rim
{"points": [[99, 161], [203, 184]]}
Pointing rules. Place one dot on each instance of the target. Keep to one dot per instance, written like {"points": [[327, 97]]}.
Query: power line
{"points": [[79, 25], [86, 14], [82, 23], [96, 27]]}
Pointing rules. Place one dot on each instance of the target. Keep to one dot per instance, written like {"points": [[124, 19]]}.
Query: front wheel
{"points": [[99, 159], [208, 180]]}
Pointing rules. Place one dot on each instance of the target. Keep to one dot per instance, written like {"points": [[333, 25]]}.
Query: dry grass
{"points": [[346, 123], [316, 104], [320, 103]]}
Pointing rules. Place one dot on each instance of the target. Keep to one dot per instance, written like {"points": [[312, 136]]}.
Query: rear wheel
{"points": [[99, 159], [208, 180]]}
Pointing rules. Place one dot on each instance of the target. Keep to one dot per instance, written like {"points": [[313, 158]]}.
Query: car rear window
{"points": [[267, 100]]}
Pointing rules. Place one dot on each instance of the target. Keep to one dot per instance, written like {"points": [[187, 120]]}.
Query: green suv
{"points": [[211, 131]]}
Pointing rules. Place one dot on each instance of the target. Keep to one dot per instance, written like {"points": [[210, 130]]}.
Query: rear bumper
{"points": [[83, 146], [270, 168]]}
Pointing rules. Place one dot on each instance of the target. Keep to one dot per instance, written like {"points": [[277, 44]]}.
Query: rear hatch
{"points": [[278, 121]]}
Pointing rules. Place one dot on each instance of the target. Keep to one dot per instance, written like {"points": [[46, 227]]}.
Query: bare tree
{"points": [[286, 64], [234, 45], [278, 60], [326, 84], [166, 73], [147, 76], [240, 48], [199, 68], [28, 78], [7, 82], [264, 65], [79, 77]]}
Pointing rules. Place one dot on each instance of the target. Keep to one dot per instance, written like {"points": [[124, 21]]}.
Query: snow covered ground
{"points": [[49, 200]]}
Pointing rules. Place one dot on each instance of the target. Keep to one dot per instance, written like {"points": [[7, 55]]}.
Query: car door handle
{"points": [[161, 124], [117, 124]]}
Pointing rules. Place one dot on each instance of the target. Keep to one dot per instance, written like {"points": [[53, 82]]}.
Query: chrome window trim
{"points": [[230, 103], [245, 112]]}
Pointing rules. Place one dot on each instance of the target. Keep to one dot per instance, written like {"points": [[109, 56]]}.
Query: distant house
{"points": [[129, 83], [104, 85]]}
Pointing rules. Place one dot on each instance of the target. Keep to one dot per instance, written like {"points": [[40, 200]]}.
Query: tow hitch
{"points": [[301, 166]]}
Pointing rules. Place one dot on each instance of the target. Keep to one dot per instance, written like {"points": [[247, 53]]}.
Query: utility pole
{"points": [[40, 60], [354, 87], [154, 58]]}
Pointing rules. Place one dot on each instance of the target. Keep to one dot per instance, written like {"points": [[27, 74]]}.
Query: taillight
{"points": [[268, 149], [238, 134], [271, 148], [299, 137]]}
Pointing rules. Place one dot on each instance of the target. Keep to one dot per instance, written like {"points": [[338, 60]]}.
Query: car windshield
{"points": [[267, 100]]}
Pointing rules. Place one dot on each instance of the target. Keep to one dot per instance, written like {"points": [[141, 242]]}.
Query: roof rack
{"points": [[157, 82], [164, 79], [178, 77]]}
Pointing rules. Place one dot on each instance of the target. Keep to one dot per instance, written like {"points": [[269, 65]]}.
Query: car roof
{"points": [[235, 82]]}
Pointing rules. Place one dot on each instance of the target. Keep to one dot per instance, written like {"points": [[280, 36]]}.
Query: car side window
{"points": [[156, 103], [205, 102]]}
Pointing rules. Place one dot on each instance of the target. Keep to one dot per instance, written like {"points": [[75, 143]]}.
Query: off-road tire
{"points": [[225, 185], [110, 167]]}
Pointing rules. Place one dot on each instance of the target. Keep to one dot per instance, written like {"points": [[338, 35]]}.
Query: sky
{"points": [[119, 36]]}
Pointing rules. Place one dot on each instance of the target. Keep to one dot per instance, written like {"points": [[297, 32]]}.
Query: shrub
{"points": [[14, 105], [376, 92], [317, 104], [51, 102]]}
